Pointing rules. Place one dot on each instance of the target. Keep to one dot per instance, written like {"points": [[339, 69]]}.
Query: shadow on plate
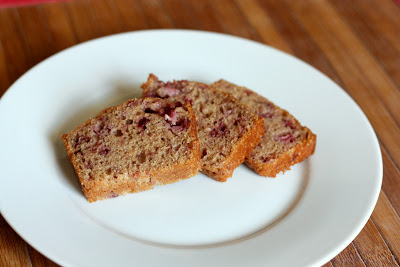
{"points": [[305, 177], [121, 93]]}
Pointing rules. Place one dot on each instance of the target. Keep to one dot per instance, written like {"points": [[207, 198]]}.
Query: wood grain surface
{"points": [[356, 43]]}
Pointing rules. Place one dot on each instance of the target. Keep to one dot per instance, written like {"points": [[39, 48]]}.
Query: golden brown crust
{"points": [[280, 161], [242, 149], [102, 189], [295, 155], [147, 85], [187, 169]]}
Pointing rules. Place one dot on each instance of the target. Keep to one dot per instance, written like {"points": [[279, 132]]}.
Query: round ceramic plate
{"points": [[303, 217]]}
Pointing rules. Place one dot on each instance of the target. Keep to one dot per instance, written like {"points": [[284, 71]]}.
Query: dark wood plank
{"points": [[232, 20], [348, 257], [36, 33], [182, 14], [13, 248], [205, 15], [156, 16], [38, 260], [59, 25], [369, 21], [391, 180], [4, 80], [372, 248], [372, 71], [107, 16], [328, 264], [82, 20], [3, 222], [350, 74], [297, 38], [387, 221], [13, 43], [388, 13], [131, 14], [263, 24]]}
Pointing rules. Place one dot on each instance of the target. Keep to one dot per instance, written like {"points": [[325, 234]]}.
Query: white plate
{"points": [[304, 217]]}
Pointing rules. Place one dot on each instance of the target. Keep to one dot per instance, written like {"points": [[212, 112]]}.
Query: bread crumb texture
{"points": [[133, 147]]}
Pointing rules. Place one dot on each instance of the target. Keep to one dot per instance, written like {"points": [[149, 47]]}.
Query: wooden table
{"points": [[355, 43]]}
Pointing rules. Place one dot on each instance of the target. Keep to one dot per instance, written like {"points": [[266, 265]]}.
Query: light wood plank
{"points": [[263, 24], [107, 16], [131, 14], [355, 82], [59, 25], [388, 223], [82, 20], [229, 15], [155, 13], [348, 257], [372, 247], [14, 46], [205, 15]]}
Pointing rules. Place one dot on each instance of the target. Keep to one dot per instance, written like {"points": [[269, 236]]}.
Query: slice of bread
{"points": [[133, 147], [286, 141], [228, 131]]}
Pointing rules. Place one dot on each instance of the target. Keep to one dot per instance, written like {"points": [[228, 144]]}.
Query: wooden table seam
{"points": [[385, 241], [398, 170], [358, 252], [7, 68], [137, 4], [372, 54], [382, 235], [29, 254], [24, 39], [253, 31], [70, 22]]}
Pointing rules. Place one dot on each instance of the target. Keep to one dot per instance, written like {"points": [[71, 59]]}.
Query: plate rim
{"points": [[320, 260]]}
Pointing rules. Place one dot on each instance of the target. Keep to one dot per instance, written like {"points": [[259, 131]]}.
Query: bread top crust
{"points": [[222, 121], [133, 139], [285, 136]]}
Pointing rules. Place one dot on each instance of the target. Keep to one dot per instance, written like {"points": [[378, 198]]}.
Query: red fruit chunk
{"points": [[288, 138], [166, 92], [142, 123]]}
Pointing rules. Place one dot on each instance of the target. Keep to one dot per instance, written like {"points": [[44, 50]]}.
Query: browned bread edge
{"points": [[99, 189], [294, 155], [242, 149]]}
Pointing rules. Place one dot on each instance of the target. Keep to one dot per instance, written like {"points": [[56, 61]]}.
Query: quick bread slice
{"points": [[133, 147], [286, 141], [228, 131]]}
